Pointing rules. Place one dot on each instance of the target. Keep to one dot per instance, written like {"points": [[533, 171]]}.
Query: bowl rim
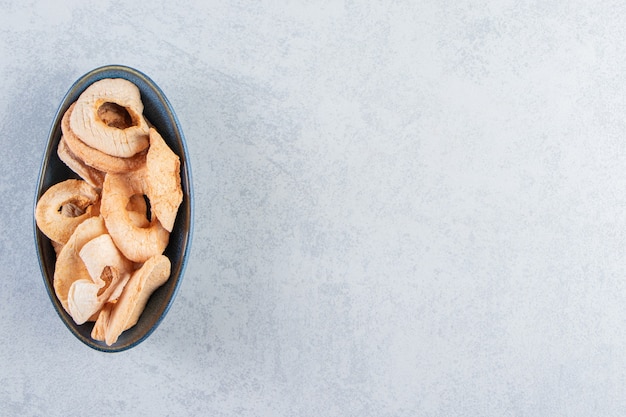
{"points": [[79, 85]]}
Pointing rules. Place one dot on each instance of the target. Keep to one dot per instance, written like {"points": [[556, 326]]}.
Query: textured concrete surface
{"points": [[402, 208]]}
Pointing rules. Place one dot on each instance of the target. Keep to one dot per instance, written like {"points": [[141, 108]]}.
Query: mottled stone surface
{"points": [[402, 208]]}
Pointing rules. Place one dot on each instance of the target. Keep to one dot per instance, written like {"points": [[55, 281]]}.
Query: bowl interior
{"points": [[159, 112]]}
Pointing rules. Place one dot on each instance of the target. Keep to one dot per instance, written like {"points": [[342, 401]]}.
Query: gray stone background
{"points": [[402, 208]]}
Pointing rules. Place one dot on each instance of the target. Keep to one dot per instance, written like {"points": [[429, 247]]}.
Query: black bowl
{"points": [[158, 110]]}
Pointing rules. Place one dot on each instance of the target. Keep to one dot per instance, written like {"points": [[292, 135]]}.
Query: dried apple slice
{"points": [[64, 206], [136, 243], [108, 273], [126, 312], [91, 175], [163, 172], [69, 266], [109, 117], [95, 158], [101, 252]]}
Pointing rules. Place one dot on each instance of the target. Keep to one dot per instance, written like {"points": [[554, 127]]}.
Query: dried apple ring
{"points": [[109, 117], [93, 157], [136, 243], [64, 206]]}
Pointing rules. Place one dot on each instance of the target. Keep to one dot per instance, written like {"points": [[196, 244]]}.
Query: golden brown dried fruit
{"points": [[69, 266], [108, 272], [109, 117], [136, 243], [64, 206], [91, 175], [95, 158], [126, 312], [164, 188]]}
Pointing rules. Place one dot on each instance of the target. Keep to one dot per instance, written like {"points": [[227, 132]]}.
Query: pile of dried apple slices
{"points": [[110, 228]]}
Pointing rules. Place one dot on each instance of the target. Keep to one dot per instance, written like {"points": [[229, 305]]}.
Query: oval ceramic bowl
{"points": [[159, 112]]}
